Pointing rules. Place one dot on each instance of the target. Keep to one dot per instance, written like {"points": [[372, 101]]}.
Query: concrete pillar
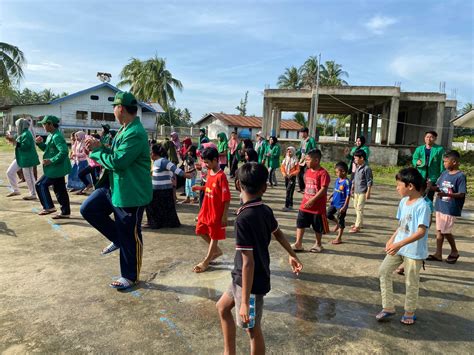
{"points": [[373, 129], [365, 131], [312, 117], [267, 116], [452, 114], [274, 122], [277, 123], [442, 132], [384, 128], [393, 120], [359, 124], [352, 129]]}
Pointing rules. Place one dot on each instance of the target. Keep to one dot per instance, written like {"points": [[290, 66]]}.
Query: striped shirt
{"points": [[163, 171]]}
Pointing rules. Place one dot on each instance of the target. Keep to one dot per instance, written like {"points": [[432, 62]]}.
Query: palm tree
{"points": [[48, 95], [299, 117], [466, 108], [150, 81], [291, 79], [12, 60], [331, 74], [309, 71]]}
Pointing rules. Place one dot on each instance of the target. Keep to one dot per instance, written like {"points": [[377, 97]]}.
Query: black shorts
{"points": [[317, 221], [340, 217]]}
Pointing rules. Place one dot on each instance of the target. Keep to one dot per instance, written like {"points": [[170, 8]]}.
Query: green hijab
{"points": [[222, 142]]}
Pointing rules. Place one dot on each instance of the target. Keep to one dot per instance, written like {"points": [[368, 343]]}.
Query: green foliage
{"points": [[291, 79], [300, 118], [12, 60], [469, 138], [175, 117], [332, 73], [469, 106], [309, 72], [150, 81], [242, 108], [28, 96]]}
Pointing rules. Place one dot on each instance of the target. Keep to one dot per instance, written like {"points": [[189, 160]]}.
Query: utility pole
{"points": [[312, 128]]}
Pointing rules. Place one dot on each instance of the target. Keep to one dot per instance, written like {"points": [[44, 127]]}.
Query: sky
{"points": [[221, 49]]}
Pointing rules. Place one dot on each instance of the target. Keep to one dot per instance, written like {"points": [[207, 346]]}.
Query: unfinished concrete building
{"points": [[405, 116]]}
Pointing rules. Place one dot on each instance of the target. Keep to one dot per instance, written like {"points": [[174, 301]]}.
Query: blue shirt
{"points": [[410, 217], [451, 184], [342, 189]]}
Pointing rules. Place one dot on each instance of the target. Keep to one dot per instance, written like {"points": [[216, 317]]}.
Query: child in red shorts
{"points": [[212, 218]]}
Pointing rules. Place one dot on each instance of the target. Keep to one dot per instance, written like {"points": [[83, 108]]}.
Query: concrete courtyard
{"points": [[55, 296]]}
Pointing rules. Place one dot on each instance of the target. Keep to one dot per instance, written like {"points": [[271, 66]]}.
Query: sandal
{"points": [[335, 242], [45, 212], [201, 267], [108, 249], [384, 315], [295, 249], [316, 249], [122, 284], [431, 257], [408, 320], [452, 259], [354, 230], [61, 216]]}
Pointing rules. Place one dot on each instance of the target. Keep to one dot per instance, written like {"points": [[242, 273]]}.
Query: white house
{"points": [[84, 110], [222, 122]]}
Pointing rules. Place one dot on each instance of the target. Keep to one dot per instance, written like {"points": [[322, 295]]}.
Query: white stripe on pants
{"points": [[13, 179]]}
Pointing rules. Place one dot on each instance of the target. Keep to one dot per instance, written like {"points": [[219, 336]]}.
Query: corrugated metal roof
{"points": [[249, 121]]}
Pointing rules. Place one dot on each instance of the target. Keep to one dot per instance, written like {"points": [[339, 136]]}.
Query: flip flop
{"points": [[201, 267], [405, 318], [433, 258], [316, 249], [108, 249], [452, 259], [122, 284], [61, 216], [45, 212], [335, 242], [354, 230], [384, 315], [295, 249]]}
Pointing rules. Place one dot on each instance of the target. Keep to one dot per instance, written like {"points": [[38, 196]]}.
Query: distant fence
{"points": [[463, 145], [165, 131]]}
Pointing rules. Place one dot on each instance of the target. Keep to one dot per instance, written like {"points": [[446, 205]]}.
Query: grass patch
{"points": [[5, 146]]}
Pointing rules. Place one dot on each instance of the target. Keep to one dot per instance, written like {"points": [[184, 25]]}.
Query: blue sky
{"points": [[220, 49]]}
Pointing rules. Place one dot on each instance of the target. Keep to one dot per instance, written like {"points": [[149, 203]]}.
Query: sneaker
{"points": [[286, 209], [29, 198], [13, 193]]}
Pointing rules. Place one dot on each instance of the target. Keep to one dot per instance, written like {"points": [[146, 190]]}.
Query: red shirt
{"points": [[315, 180], [216, 193]]}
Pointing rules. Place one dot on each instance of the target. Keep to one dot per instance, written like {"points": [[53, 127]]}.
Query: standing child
{"points": [[273, 160], [361, 187], [212, 218], [254, 226], [340, 200], [408, 245], [290, 169], [223, 149], [190, 170], [313, 206], [449, 203]]}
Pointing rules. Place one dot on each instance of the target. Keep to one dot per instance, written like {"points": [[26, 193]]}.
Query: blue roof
{"points": [[107, 85]]}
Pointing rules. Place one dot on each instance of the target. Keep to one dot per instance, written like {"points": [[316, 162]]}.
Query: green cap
{"points": [[49, 119], [125, 98], [106, 127]]}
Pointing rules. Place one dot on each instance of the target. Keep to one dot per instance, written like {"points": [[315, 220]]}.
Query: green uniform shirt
{"points": [[128, 163], [365, 148], [55, 149], [435, 165], [262, 151], [25, 150], [273, 160], [106, 139], [306, 146]]}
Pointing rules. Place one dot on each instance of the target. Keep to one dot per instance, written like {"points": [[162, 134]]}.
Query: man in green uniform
{"points": [[105, 135], [261, 147], [428, 159], [56, 166], [127, 192]]}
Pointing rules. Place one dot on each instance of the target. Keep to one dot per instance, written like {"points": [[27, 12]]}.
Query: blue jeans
{"points": [[189, 187], [125, 232], [59, 188]]}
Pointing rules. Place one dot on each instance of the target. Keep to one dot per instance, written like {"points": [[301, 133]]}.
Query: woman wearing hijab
{"points": [[25, 159], [273, 159], [222, 148], [360, 144], [185, 145], [290, 169], [79, 162], [232, 145], [175, 140]]}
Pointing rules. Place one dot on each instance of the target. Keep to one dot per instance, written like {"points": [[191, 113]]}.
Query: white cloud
{"points": [[43, 66], [378, 24]]}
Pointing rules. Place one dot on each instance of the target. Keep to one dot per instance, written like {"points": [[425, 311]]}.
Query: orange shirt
{"points": [[216, 193]]}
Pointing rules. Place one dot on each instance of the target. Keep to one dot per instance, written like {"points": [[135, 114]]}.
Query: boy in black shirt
{"points": [[254, 226]]}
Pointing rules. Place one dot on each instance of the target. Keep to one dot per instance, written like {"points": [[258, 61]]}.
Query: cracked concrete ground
{"points": [[55, 296]]}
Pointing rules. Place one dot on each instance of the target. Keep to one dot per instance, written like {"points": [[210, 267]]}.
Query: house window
{"points": [[102, 116], [111, 98], [81, 115], [287, 133], [94, 97]]}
